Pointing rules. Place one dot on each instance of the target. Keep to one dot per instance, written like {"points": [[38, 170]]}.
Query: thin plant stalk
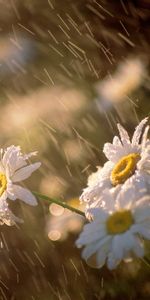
{"points": [[59, 202]]}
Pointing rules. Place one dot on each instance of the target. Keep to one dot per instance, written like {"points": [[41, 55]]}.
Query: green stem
{"points": [[59, 202]]}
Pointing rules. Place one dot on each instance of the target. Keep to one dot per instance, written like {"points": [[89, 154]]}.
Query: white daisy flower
{"points": [[13, 169], [117, 230], [128, 162]]}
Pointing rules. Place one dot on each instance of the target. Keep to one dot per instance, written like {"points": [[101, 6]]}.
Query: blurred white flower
{"points": [[15, 54], [56, 188], [117, 230], [62, 221], [13, 169], [126, 79], [129, 161]]}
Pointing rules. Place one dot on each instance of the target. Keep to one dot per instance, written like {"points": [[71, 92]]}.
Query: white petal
{"points": [[145, 137], [93, 212], [138, 132], [15, 159], [125, 197], [114, 153], [134, 188], [16, 162], [144, 163], [141, 213], [2, 170], [27, 156], [88, 230], [90, 249], [105, 171], [142, 230], [11, 196], [111, 151], [99, 215], [116, 141], [99, 258], [101, 255], [123, 135], [25, 172], [138, 248], [8, 153], [93, 179], [112, 262], [10, 191], [139, 184], [24, 195], [132, 244], [118, 247], [143, 202], [109, 198], [95, 193], [91, 236], [101, 174], [21, 160]]}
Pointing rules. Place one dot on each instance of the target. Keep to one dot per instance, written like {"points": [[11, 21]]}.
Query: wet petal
{"points": [[25, 172], [123, 135], [118, 247], [24, 194], [112, 262], [90, 249], [8, 152], [145, 137], [116, 141], [142, 230], [112, 152], [142, 210], [138, 132], [91, 236]]}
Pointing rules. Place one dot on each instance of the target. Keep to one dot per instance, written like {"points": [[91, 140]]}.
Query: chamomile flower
{"points": [[117, 230], [13, 169], [128, 162]]}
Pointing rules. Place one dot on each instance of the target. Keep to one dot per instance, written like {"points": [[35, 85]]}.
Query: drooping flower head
{"points": [[117, 230], [14, 168], [128, 161]]}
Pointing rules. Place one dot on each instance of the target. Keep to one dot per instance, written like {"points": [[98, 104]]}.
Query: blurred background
{"points": [[69, 71]]}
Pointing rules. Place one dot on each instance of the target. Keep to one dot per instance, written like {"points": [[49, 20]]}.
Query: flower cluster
{"points": [[118, 202], [13, 169], [117, 197]]}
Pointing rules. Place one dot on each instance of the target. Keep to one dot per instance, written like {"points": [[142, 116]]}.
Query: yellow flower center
{"points": [[3, 183], [124, 168], [119, 222]]}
